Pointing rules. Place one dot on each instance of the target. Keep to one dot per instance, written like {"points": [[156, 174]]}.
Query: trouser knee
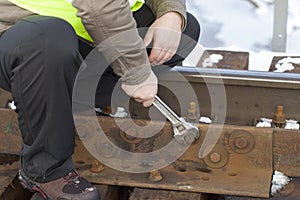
{"points": [[44, 38]]}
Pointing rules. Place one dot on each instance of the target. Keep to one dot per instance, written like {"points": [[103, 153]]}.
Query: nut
{"points": [[279, 118], [215, 157], [155, 176], [241, 142], [96, 167]]}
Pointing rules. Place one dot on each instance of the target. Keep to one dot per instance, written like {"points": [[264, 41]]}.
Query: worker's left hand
{"points": [[165, 33]]}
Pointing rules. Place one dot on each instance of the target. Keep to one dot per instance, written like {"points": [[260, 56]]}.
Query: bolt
{"points": [[241, 143], [106, 149], [96, 167], [155, 176], [192, 107], [279, 118], [131, 133], [215, 157], [193, 114]]}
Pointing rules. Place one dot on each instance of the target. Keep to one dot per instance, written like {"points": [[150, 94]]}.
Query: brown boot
{"points": [[69, 187]]}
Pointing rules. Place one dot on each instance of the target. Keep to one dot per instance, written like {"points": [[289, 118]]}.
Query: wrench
{"points": [[185, 133]]}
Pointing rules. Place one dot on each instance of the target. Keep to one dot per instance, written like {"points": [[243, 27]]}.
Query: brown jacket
{"points": [[106, 21]]}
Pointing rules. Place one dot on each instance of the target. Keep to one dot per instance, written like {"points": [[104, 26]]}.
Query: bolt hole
{"points": [[232, 174], [180, 168], [205, 178], [202, 169]]}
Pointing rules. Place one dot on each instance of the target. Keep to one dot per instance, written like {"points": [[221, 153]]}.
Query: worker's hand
{"points": [[165, 33], [143, 92]]}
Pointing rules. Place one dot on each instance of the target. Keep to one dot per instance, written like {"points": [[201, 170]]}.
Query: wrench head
{"points": [[186, 133]]}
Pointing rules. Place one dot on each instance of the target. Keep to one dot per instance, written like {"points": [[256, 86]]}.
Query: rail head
{"points": [[235, 77]]}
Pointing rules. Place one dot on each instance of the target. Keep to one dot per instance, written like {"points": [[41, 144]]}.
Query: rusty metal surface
{"points": [[230, 60], [6, 158], [4, 97], [244, 104], [290, 192], [239, 162], [232, 162], [245, 100], [139, 194], [189, 173], [10, 137], [7, 174], [287, 151]]}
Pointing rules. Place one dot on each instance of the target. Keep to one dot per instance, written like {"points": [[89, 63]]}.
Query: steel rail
{"points": [[237, 77]]}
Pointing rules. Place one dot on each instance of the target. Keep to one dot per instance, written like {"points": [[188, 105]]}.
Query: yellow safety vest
{"points": [[64, 9]]}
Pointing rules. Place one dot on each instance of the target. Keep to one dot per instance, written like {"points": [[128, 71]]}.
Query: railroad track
{"points": [[239, 164]]}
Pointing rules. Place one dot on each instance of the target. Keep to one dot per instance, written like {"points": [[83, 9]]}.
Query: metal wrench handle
{"points": [[166, 111]]}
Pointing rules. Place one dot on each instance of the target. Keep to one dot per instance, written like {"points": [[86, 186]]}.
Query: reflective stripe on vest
{"points": [[136, 4], [63, 9]]}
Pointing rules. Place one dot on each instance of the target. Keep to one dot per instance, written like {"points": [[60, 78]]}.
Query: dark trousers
{"points": [[39, 60]]}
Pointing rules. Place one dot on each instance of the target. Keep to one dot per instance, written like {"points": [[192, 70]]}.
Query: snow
{"points": [[278, 182], [12, 105], [286, 64], [239, 25], [211, 60], [264, 122], [120, 113], [205, 120], [290, 123]]}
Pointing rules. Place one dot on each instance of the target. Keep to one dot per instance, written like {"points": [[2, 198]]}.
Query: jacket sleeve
{"points": [[160, 7], [113, 29], [10, 14]]}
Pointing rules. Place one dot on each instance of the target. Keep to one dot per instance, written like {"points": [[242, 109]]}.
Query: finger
{"points": [[167, 51], [154, 54], [148, 102], [167, 57], [160, 57]]}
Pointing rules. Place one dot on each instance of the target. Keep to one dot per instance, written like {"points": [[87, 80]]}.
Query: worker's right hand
{"points": [[143, 92]]}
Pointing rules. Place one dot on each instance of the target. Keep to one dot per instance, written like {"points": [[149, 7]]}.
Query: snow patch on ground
{"points": [[12, 105], [286, 64], [258, 61], [264, 122], [249, 27], [120, 113], [205, 120], [290, 123], [279, 181], [212, 60]]}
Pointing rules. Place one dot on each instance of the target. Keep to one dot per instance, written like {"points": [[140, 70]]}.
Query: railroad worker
{"points": [[42, 46]]}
